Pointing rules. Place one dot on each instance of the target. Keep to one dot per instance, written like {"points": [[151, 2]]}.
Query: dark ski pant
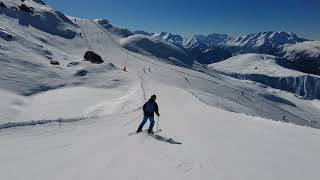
{"points": [[145, 118]]}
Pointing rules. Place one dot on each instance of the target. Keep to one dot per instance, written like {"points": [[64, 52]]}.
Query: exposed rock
{"points": [[3, 5], [82, 72], [5, 35], [26, 9], [39, 2], [73, 64], [93, 57], [14, 8], [54, 62]]}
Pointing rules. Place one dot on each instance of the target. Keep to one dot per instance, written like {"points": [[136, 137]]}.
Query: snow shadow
{"points": [[166, 140]]}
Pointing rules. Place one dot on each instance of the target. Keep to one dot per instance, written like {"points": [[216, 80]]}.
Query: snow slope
{"points": [[207, 143], [305, 56], [154, 47], [266, 69], [80, 129]]}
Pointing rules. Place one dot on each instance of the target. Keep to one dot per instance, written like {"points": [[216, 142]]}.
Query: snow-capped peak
{"points": [[202, 40], [174, 39]]}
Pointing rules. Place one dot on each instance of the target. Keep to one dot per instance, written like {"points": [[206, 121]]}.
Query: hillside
{"points": [[267, 70]]}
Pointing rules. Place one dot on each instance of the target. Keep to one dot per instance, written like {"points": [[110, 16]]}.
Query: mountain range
{"points": [[302, 53]]}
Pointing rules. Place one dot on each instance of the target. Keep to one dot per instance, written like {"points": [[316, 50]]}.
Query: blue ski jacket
{"points": [[150, 107]]}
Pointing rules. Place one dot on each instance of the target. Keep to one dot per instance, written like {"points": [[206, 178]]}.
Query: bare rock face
{"points": [[81, 72], [73, 64], [26, 9], [54, 62], [3, 5], [93, 57], [40, 2], [5, 35]]}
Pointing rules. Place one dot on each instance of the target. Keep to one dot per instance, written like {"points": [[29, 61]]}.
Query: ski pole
{"points": [[158, 124], [132, 121]]}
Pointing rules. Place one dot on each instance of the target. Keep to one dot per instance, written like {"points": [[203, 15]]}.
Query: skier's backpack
{"points": [[150, 107]]}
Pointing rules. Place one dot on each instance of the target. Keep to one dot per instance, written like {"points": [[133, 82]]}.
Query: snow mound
{"points": [[154, 47], [266, 69]]}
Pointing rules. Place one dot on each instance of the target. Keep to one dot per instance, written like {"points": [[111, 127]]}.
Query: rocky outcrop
{"points": [[40, 2], [73, 64], [93, 57], [26, 8], [54, 62], [6, 35], [2, 5], [81, 72]]}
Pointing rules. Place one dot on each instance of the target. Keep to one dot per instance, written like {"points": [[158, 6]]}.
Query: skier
{"points": [[149, 108]]}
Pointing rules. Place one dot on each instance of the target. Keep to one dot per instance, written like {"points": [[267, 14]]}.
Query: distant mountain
{"points": [[263, 42], [305, 56], [212, 48], [208, 49], [143, 33], [200, 41], [173, 39]]}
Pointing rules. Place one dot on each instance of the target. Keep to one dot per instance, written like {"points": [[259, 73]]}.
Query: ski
{"points": [[134, 133]]}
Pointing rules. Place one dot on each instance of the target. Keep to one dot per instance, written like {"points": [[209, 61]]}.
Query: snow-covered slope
{"points": [[113, 29], [43, 18], [154, 47], [207, 143], [266, 69], [81, 130], [305, 56]]}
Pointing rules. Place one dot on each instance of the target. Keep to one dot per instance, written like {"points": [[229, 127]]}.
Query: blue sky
{"points": [[188, 17]]}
